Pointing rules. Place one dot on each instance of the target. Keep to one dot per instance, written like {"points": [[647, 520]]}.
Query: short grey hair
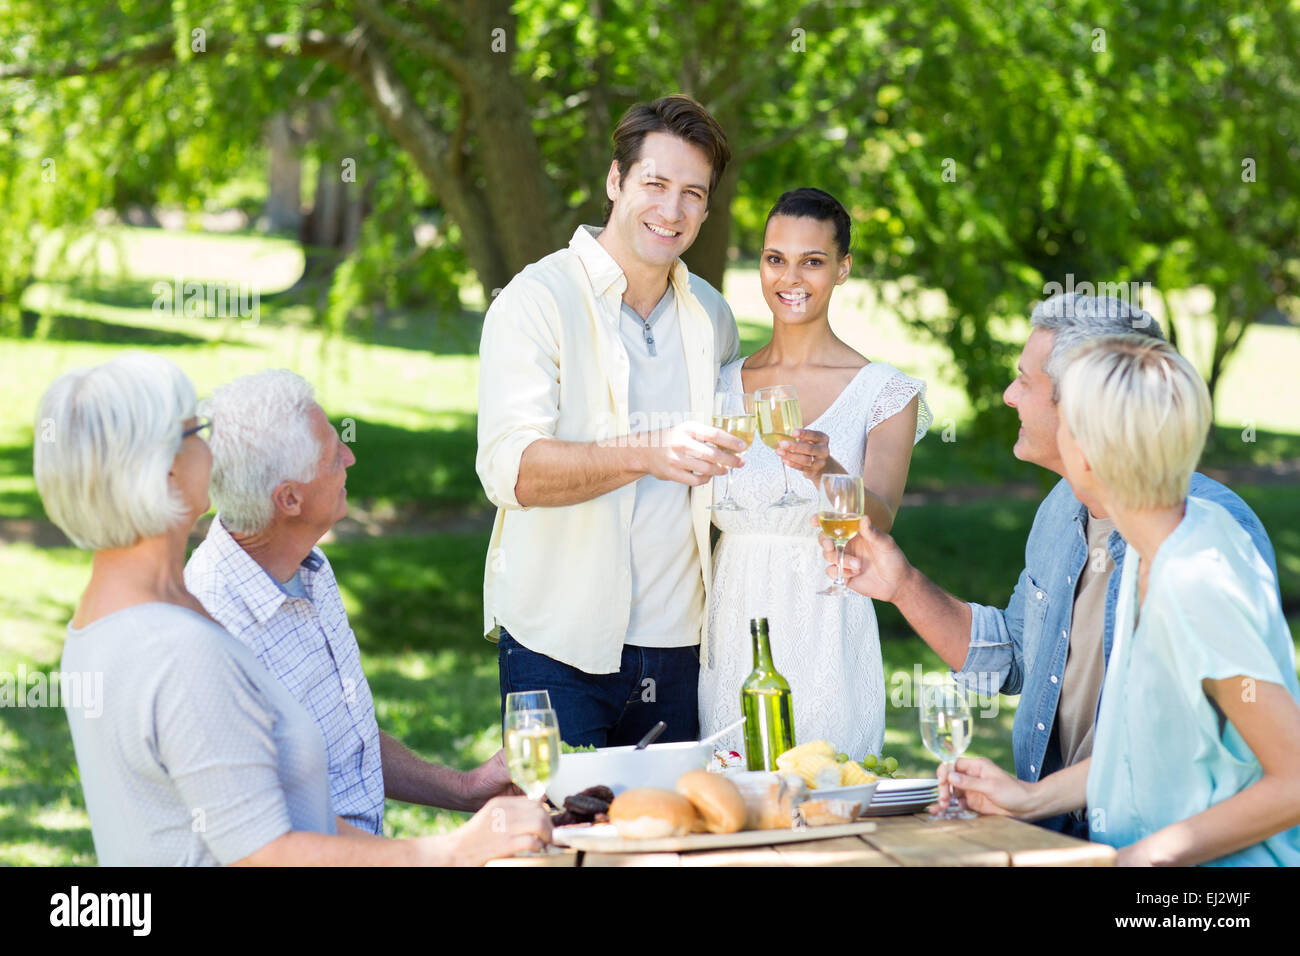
{"points": [[106, 438], [1076, 318], [261, 437]]}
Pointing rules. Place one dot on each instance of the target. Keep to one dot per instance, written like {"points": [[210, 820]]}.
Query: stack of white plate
{"points": [[902, 796]]}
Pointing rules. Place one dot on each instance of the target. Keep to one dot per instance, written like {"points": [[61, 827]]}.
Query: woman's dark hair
{"points": [[682, 117], [809, 203]]}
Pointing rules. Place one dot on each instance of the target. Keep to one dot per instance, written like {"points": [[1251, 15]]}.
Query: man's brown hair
{"points": [[679, 115]]}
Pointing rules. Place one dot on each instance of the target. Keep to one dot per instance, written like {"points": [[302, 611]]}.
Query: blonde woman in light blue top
{"points": [[1197, 751]]}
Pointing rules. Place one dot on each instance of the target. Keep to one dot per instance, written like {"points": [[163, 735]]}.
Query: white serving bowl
{"points": [[860, 794], [623, 768]]}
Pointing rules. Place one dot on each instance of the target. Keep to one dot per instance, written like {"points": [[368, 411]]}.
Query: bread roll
{"points": [[715, 798], [647, 813]]}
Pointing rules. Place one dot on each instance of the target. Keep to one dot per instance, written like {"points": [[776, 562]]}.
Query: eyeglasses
{"points": [[205, 424]]}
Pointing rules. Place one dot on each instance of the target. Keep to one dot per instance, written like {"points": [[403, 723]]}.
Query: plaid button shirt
{"points": [[309, 646]]}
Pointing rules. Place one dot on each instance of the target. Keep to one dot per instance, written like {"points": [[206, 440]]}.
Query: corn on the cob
{"points": [[816, 747], [808, 766], [852, 775]]}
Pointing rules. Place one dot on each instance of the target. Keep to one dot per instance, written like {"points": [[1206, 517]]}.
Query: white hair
{"points": [[1141, 413], [261, 437], [105, 441], [1077, 318]]}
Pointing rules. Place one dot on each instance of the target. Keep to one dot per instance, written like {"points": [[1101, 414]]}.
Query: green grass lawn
{"points": [[416, 608], [415, 602]]}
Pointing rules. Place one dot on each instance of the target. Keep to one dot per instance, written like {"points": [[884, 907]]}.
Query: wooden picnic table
{"points": [[910, 840]]}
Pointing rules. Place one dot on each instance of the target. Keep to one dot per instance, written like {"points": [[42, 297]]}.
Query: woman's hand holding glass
{"points": [[809, 453], [984, 787], [779, 416], [946, 729], [506, 826]]}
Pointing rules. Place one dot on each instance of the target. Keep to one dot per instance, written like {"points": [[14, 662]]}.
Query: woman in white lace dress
{"points": [[768, 563]]}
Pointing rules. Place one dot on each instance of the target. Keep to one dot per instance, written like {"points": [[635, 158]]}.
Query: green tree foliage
{"points": [[984, 148]]}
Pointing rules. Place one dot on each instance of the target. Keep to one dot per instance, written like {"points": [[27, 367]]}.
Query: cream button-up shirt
{"points": [[553, 365]]}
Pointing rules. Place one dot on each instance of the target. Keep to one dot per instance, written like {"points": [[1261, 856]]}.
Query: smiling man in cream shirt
{"points": [[597, 372]]}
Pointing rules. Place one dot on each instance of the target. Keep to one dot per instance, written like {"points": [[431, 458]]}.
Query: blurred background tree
{"points": [[984, 148], [381, 160]]}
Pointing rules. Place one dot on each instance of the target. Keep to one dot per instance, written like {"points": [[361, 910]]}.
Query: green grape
{"points": [[891, 764], [841, 758], [869, 761]]}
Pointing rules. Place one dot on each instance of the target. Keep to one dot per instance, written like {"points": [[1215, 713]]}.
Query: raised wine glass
{"points": [[841, 503], [733, 412], [778, 415], [532, 749], [946, 727], [527, 700], [523, 700]]}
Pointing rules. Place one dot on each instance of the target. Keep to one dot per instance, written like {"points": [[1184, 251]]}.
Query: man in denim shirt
{"points": [[1050, 644]]}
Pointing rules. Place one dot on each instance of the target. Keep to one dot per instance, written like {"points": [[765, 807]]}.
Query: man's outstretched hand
{"points": [[874, 565]]}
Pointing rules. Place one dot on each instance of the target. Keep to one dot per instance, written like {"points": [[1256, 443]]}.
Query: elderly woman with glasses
{"points": [[199, 755]]}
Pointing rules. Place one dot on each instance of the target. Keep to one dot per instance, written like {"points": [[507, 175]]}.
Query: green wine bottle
{"points": [[765, 703]]}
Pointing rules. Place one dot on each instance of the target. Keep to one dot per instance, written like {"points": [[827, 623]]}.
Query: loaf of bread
{"points": [[769, 798], [823, 813]]}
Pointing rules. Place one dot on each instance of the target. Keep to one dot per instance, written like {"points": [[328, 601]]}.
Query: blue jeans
{"points": [[611, 710]]}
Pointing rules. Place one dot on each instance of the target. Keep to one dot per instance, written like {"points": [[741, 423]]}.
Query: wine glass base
{"points": [[727, 505], [836, 590], [789, 501], [953, 813]]}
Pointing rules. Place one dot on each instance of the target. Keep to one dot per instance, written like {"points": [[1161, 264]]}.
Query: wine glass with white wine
{"points": [[523, 700], [532, 749], [841, 504], [946, 728], [733, 412], [527, 700], [778, 413]]}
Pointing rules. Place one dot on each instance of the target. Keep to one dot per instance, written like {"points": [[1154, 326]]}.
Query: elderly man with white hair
{"points": [[1052, 642], [279, 484]]}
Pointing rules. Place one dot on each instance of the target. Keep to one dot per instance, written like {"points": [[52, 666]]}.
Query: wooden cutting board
{"points": [[604, 838]]}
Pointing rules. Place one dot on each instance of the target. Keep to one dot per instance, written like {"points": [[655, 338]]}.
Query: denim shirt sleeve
{"points": [[1211, 490], [994, 662]]}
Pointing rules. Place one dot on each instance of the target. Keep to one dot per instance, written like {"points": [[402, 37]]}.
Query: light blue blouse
{"points": [[1211, 612]]}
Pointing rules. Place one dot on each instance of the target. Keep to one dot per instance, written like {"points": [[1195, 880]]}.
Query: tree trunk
{"points": [[707, 256], [284, 192], [524, 206], [331, 228], [434, 155], [357, 202]]}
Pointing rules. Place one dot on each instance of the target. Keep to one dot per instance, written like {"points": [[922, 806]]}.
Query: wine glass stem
{"points": [[954, 801], [785, 471], [839, 554], [726, 495]]}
